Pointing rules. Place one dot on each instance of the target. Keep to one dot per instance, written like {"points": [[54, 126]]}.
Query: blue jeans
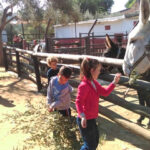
{"points": [[66, 112], [90, 134]]}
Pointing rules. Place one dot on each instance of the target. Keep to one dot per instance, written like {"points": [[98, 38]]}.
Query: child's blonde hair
{"points": [[51, 59]]}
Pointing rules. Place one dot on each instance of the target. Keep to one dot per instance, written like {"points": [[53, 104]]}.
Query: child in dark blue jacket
{"points": [[53, 70]]}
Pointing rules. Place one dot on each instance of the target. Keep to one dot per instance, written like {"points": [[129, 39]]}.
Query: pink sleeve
{"points": [[105, 91], [81, 97]]}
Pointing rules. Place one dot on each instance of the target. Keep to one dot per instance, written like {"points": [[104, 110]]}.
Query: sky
{"points": [[118, 5]]}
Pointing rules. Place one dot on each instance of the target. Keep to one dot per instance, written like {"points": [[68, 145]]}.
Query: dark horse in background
{"points": [[114, 51]]}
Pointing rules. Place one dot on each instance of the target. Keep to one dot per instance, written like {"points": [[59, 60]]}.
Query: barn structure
{"points": [[120, 23]]}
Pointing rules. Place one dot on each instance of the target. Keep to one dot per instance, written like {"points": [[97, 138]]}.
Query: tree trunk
{"points": [[1, 50]]}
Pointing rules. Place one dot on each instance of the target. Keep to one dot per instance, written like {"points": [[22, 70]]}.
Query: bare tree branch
{"points": [[10, 6], [5, 15], [9, 14], [15, 17]]}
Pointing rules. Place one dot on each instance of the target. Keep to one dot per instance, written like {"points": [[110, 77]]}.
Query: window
{"points": [[107, 27]]}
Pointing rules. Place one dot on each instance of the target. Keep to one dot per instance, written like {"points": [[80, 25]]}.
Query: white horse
{"points": [[40, 47], [136, 56]]}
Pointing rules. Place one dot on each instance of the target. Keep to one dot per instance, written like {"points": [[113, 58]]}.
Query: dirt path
{"points": [[14, 92]]}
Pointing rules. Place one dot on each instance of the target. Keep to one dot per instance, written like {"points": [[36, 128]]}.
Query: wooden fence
{"points": [[28, 62]]}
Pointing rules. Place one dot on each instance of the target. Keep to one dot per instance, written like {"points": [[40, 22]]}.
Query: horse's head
{"points": [[135, 56], [113, 51], [41, 47], [111, 48]]}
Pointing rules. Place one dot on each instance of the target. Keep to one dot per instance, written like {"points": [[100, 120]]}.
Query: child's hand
{"points": [[117, 78], [50, 109], [83, 122]]}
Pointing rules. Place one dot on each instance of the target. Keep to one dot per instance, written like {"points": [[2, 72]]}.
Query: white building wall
{"points": [[115, 27], [83, 28], [128, 24], [64, 32], [120, 26]]}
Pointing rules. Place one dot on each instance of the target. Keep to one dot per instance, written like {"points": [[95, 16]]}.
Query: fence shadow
{"points": [[6, 102], [113, 131]]}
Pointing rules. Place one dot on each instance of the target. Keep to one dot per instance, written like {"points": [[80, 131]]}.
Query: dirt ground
{"points": [[15, 91]]}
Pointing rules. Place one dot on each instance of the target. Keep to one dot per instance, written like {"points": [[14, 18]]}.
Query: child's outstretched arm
{"points": [[117, 78], [105, 91]]}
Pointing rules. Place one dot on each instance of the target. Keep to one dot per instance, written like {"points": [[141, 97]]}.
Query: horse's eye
{"points": [[132, 41]]}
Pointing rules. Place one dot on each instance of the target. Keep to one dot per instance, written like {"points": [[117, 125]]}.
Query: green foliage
{"points": [[95, 6], [46, 129], [133, 77], [67, 8], [10, 32], [31, 10], [130, 3]]}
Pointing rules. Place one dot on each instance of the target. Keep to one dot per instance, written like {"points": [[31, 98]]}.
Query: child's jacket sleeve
{"points": [[81, 97], [49, 93], [105, 91]]}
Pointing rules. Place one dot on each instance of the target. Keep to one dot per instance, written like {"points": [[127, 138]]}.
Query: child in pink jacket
{"points": [[87, 102]]}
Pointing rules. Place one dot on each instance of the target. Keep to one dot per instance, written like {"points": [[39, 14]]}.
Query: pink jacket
{"points": [[87, 100]]}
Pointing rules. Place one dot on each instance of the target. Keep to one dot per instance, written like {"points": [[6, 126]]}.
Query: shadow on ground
{"points": [[114, 131], [6, 102]]}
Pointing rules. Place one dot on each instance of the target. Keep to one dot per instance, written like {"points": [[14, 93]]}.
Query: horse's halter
{"points": [[146, 54]]}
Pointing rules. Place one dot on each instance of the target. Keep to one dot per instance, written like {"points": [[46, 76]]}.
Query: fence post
{"points": [[18, 64], [37, 72], [87, 45], [5, 58]]}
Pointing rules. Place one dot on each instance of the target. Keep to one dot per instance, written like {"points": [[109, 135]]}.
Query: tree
{"points": [[5, 19], [67, 9], [94, 6], [31, 9]]}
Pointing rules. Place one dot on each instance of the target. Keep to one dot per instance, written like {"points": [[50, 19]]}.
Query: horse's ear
{"points": [[106, 45], [144, 11], [108, 41]]}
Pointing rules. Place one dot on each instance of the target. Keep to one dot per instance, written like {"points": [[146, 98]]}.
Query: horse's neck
{"points": [[114, 52]]}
